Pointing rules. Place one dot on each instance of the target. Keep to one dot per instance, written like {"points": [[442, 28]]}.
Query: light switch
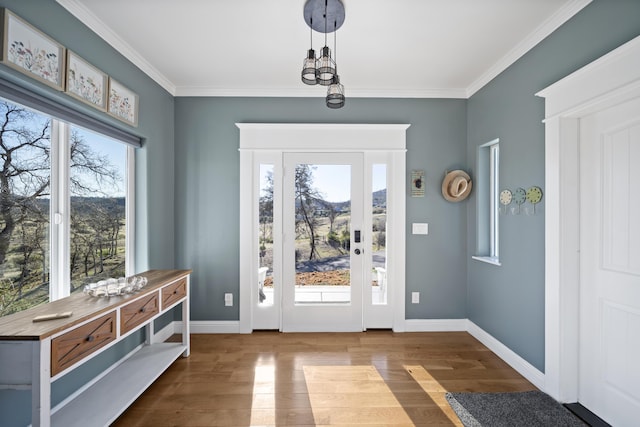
{"points": [[228, 300], [420, 228]]}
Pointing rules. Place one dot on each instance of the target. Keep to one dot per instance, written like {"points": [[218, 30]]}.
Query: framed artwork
{"points": [[30, 51], [123, 103], [85, 82], [417, 183]]}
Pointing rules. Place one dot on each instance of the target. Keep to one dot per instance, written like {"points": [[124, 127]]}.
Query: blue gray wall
{"points": [[154, 162], [154, 168], [207, 192], [508, 301]]}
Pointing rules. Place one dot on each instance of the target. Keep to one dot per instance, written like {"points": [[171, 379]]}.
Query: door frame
{"points": [[609, 80], [286, 137]]}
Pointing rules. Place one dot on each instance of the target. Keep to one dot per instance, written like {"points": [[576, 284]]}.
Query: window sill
{"points": [[487, 259]]}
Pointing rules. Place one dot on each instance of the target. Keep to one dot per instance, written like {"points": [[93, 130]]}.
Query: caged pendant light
{"points": [[323, 70], [335, 93]]}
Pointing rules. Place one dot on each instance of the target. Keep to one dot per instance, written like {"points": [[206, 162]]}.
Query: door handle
{"points": [[357, 251]]}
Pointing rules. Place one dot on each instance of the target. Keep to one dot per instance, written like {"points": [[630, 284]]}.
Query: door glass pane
{"points": [[25, 191], [322, 233], [379, 234], [265, 236], [97, 188]]}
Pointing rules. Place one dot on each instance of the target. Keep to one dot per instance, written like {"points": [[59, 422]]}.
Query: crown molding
{"points": [[549, 26], [101, 29], [316, 92]]}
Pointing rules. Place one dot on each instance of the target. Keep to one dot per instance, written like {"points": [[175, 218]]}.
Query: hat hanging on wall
{"points": [[456, 186]]}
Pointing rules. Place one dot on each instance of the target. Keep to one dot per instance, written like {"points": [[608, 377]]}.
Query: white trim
{"points": [[80, 11], [435, 325], [305, 137], [523, 367], [487, 259], [613, 78], [214, 327], [549, 26], [325, 137], [306, 92], [130, 212]]}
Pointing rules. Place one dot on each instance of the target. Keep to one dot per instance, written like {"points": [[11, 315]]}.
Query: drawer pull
{"points": [[90, 338], [142, 310], [175, 292]]}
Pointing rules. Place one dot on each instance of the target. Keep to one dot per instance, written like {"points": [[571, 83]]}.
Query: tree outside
{"points": [[97, 209]]}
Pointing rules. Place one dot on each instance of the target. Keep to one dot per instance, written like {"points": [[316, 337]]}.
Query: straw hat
{"points": [[456, 186]]}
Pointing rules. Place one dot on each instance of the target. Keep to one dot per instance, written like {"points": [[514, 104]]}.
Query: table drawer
{"points": [[80, 342], [174, 292], [137, 312]]}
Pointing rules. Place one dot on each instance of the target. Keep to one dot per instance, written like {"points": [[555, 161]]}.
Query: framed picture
{"points": [[123, 103], [30, 51], [417, 183], [85, 82]]}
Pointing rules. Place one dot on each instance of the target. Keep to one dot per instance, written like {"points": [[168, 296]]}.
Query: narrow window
{"points": [[487, 199]]}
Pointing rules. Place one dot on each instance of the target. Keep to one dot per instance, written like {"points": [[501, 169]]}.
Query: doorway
{"points": [[315, 249], [610, 81]]}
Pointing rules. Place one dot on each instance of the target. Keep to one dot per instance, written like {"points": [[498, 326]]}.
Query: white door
{"points": [[322, 242], [610, 263]]}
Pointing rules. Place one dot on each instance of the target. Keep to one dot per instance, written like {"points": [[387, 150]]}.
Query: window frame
{"points": [[60, 197], [488, 211]]}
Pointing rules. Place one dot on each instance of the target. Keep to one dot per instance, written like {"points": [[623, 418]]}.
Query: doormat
{"points": [[523, 409]]}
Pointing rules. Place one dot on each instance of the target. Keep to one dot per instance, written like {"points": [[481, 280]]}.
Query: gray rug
{"points": [[526, 409]]}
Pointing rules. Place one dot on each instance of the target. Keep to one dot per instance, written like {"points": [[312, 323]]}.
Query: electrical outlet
{"points": [[415, 297], [228, 300]]}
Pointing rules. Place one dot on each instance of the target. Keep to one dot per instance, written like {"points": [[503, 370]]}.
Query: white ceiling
{"points": [[386, 48]]}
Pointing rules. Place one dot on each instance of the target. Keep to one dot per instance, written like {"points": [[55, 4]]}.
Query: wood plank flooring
{"points": [[375, 378]]}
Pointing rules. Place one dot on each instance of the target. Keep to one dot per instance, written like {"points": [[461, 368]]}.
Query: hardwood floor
{"points": [[375, 378]]}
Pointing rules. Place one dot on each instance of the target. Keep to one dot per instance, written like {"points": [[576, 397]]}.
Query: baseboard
{"points": [[435, 325], [523, 367], [213, 326]]}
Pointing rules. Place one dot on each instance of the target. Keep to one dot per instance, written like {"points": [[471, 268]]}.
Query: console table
{"points": [[36, 354]]}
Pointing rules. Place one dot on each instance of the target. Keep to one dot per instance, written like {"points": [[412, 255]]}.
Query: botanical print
{"points": [[85, 82], [32, 51], [122, 102]]}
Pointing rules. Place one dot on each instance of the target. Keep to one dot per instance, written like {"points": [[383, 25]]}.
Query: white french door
{"points": [[322, 230], [323, 242]]}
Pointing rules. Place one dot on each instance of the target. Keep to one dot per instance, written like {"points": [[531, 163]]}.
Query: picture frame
{"points": [[123, 103], [30, 51], [417, 183], [86, 82]]}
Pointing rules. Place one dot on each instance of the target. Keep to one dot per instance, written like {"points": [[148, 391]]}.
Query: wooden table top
{"points": [[20, 326]]}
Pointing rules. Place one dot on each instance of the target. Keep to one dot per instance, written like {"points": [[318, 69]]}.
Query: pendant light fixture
{"points": [[335, 93], [310, 64], [323, 70]]}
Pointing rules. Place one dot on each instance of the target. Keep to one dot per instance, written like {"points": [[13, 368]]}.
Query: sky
{"points": [[113, 150], [332, 180]]}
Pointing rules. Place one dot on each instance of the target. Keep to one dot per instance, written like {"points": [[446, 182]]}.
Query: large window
{"points": [[63, 204], [487, 198]]}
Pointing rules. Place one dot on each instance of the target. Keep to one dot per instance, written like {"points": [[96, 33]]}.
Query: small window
{"points": [[487, 198]]}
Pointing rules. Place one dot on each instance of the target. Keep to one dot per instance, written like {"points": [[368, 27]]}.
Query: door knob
{"points": [[357, 251]]}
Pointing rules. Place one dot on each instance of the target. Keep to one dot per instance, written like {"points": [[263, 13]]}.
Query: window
{"points": [[63, 207], [487, 209]]}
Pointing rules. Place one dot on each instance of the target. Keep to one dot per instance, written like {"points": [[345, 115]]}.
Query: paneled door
{"points": [[323, 242], [610, 263]]}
